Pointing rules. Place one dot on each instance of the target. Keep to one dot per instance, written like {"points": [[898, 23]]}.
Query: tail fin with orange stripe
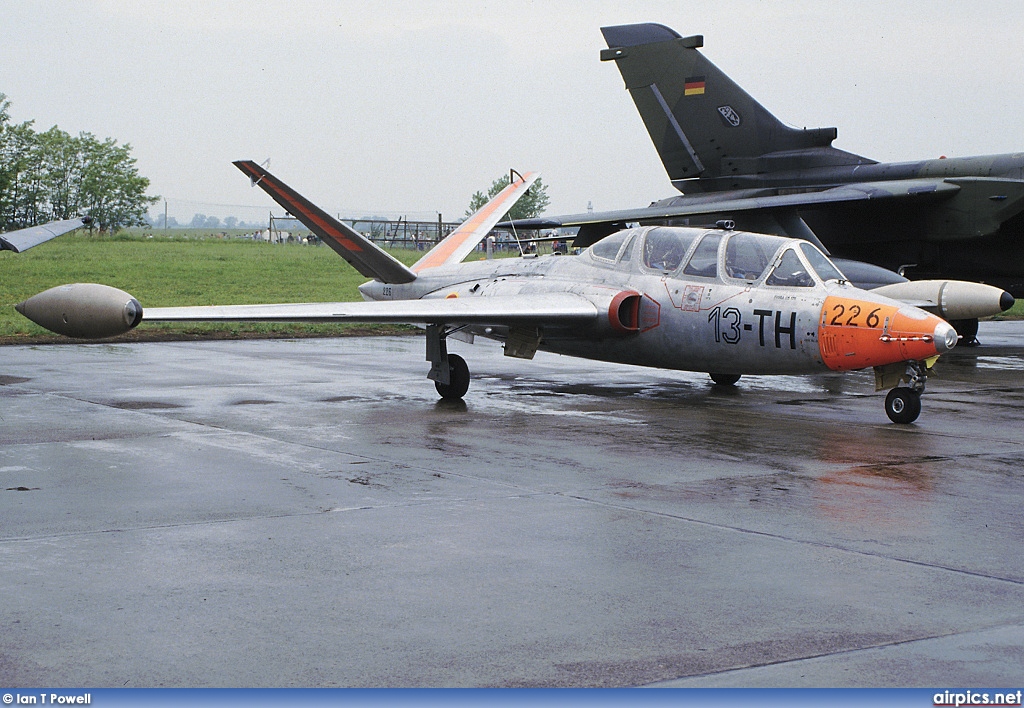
{"points": [[364, 255], [461, 242]]}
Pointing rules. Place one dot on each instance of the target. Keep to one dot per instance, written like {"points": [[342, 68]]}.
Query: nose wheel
{"points": [[903, 405]]}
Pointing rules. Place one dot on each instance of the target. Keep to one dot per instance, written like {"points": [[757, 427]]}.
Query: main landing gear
{"points": [[725, 379], [968, 331], [458, 379], [903, 404], [449, 372]]}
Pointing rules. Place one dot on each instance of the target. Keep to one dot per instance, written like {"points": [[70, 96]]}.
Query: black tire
{"points": [[725, 379], [458, 376], [903, 405], [968, 329]]}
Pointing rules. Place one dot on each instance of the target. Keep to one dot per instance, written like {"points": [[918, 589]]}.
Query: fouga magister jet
{"points": [[716, 300]]}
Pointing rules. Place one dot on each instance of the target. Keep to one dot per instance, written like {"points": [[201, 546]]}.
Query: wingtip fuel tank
{"points": [[951, 299], [83, 310]]}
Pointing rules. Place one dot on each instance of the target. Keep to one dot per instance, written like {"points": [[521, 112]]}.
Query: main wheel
{"points": [[725, 379], [903, 405], [458, 379], [968, 329]]}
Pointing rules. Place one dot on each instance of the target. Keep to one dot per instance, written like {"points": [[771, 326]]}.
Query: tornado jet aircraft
{"points": [[716, 300], [958, 218]]}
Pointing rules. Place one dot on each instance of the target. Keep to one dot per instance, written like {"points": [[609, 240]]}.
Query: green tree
{"points": [[531, 204], [7, 170], [112, 192], [59, 166], [17, 145], [53, 175]]}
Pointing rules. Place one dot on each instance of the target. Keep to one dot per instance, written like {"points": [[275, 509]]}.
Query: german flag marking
{"points": [[694, 86]]}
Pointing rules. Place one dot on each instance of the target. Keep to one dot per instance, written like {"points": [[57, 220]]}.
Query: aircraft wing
{"points": [[564, 308], [24, 239], [684, 206]]}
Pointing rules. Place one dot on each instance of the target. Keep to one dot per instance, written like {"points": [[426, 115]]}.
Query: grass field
{"points": [[185, 270], [1014, 313], [165, 272]]}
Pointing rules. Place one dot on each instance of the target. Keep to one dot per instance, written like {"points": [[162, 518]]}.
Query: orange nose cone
{"points": [[856, 334]]}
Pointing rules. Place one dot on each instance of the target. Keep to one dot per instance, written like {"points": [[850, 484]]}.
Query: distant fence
{"points": [[388, 233], [401, 233]]}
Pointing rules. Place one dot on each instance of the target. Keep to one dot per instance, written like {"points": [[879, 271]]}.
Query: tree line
{"points": [[529, 205], [52, 175]]}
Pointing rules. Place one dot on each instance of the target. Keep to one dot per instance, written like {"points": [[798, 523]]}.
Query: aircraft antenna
{"points": [[252, 178], [516, 237], [512, 174]]}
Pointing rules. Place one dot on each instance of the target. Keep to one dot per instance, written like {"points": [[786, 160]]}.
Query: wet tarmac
{"points": [[306, 513]]}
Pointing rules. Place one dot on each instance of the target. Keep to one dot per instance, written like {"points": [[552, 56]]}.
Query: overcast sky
{"points": [[409, 107]]}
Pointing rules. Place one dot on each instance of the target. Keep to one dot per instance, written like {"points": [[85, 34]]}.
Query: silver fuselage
{"points": [[715, 323]]}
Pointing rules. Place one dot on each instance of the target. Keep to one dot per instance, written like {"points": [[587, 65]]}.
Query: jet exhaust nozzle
{"points": [[83, 310]]}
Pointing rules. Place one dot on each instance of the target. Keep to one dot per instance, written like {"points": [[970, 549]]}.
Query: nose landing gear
{"points": [[903, 404]]}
